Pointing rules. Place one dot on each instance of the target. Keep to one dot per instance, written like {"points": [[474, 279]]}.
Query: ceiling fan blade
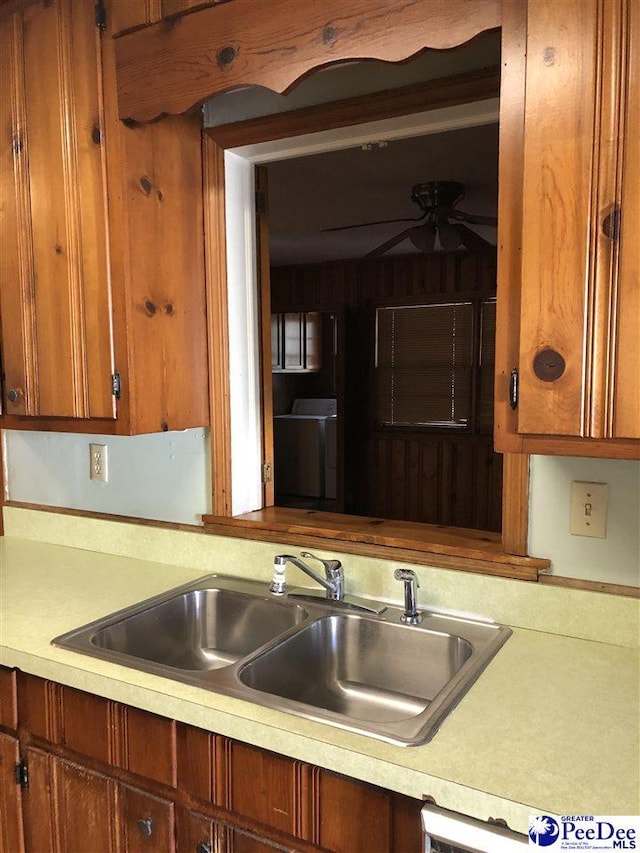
{"points": [[471, 218], [473, 240], [389, 244], [378, 222]]}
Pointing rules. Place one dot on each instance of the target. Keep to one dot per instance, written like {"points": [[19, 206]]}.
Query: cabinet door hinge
{"points": [[116, 385], [21, 772], [513, 388], [266, 472], [101, 15], [261, 202]]}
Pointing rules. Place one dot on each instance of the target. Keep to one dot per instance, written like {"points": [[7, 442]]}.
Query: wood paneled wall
{"points": [[449, 481], [396, 473], [381, 281]]}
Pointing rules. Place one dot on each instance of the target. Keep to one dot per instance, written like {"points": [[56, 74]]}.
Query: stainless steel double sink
{"points": [[322, 660]]}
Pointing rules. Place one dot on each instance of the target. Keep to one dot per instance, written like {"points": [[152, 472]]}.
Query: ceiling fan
{"points": [[437, 200]]}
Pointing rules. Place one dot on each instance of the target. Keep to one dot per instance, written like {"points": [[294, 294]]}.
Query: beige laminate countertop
{"points": [[551, 726]]}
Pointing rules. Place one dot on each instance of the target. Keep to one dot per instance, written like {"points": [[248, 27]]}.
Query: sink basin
{"points": [[375, 676], [200, 629], [360, 668], [321, 660], [194, 629]]}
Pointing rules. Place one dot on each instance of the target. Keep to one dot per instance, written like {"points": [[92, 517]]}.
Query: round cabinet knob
{"points": [[14, 395], [145, 826], [548, 365]]}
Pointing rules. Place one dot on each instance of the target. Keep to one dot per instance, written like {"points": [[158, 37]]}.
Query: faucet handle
{"points": [[333, 568]]}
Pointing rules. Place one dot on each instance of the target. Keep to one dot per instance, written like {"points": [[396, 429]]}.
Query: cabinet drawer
{"points": [[150, 746], [267, 788]]}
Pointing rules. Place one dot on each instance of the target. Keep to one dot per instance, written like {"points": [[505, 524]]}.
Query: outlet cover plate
{"points": [[98, 463]]}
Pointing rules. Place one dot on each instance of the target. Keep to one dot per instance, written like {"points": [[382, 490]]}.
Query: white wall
{"points": [[615, 559], [165, 476]]}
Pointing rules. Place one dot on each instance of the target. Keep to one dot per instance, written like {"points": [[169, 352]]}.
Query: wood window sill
{"points": [[427, 544]]}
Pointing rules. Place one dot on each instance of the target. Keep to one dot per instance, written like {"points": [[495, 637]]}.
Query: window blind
{"points": [[424, 360]]}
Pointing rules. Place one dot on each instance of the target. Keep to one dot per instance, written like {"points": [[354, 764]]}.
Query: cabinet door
{"points": [[147, 822], [353, 818], [294, 340], [200, 834], [70, 808], [8, 699], [626, 399], [67, 807], [55, 303], [10, 797], [267, 788], [579, 317], [133, 14]]}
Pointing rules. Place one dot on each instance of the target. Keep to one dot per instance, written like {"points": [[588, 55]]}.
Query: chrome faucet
{"points": [[411, 614], [333, 581]]}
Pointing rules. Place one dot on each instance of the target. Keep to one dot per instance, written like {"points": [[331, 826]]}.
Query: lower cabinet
{"points": [[67, 807], [197, 833], [81, 774], [10, 801]]}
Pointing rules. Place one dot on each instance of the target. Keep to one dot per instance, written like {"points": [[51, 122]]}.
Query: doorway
{"points": [[248, 450]]}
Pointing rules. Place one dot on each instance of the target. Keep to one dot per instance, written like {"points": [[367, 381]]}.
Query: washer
{"points": [[299, 440]]}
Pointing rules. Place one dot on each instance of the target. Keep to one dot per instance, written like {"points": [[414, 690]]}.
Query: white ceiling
{"points": [[308, 194]]}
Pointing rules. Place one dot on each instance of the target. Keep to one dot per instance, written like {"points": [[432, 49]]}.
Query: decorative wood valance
{"points": [[172, 67]]}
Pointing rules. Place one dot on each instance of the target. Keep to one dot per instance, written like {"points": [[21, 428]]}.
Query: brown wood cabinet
{"points": [[569, 220], [105, 776], [69, 807], [10, 793], [10, 796], [101, 259], [578, 360], [133, 14]]}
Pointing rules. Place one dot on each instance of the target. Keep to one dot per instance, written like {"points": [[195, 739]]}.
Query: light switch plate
{"points": [[589, 509]]}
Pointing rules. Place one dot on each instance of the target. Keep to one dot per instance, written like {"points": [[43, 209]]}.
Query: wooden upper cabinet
{"points": [[102, 258], [55, 291], [579, 354], [133, 14]]}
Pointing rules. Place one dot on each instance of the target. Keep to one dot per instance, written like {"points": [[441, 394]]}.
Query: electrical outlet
{"points": [[98, 460], [589, 509]]}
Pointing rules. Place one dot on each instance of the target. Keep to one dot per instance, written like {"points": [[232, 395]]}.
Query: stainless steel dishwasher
{"points": [[449, 832]]}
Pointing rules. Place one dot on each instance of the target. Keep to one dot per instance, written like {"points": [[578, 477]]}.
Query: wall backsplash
{"points": [[166, 477], [615, 559], [163, 476]]}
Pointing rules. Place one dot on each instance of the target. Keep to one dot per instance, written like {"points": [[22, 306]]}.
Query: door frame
{"points": [[244, 267], [278, 137]]}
